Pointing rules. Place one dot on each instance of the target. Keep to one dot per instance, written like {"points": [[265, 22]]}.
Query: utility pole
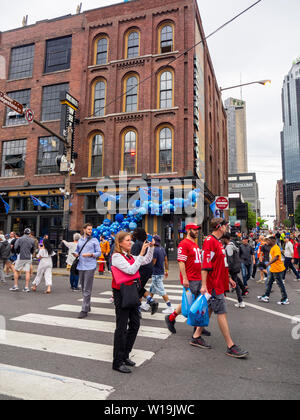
{"points": [[67, 191]]}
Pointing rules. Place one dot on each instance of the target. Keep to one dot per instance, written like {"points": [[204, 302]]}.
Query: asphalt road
{"points": [[175, 370]]}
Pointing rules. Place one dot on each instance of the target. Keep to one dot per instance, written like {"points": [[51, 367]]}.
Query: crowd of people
{"points": [[223, 263]]}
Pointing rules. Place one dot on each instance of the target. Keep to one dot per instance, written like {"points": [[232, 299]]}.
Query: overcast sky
{"points": [[261, 44]]}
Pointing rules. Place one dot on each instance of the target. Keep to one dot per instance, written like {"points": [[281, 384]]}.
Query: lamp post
{"points": [[260, 82]]}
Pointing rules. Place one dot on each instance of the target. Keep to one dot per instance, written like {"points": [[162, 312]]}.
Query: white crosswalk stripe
{"points": [[74, 348], [175, 298], [28, 384], [34, 385], [90, 325], [111, 312]]}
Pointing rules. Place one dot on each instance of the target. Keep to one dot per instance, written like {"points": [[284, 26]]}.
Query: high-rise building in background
{"points": [[237, 136], [290, 137], [279, 202]]}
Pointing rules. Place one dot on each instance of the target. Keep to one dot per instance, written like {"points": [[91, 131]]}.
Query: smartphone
{"points": [[149, 238]]}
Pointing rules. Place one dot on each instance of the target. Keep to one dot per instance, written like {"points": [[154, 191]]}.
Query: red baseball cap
{"points": [[192, 226]]}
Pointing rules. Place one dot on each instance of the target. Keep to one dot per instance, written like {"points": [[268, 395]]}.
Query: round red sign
{"points": [[222, 203]]}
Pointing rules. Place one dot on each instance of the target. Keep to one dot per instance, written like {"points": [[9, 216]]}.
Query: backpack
{"points": [[5, 250], [234, 262]]}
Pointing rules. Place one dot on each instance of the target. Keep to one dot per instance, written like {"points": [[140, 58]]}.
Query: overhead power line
{"points": [[180, 55]]}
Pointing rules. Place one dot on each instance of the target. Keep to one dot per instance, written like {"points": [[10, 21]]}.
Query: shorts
{"points": [[23, 265], [217, 304], [157, 286], [195, 287]]}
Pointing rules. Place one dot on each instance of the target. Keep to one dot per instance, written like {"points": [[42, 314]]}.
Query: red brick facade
{"points": [[114, 22]]}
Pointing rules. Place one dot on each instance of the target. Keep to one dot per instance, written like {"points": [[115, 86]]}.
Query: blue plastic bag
{"points": [[198, 315], [187, 301]]}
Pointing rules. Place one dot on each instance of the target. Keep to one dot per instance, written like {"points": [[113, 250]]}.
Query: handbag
{"points": [[121, 277], [74, 269], [130, 295]]}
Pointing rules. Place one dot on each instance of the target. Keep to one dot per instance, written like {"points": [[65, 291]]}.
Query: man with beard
{"points": [[189, 260], [215, 281]]}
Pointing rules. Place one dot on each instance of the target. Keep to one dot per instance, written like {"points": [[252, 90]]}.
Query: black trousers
{"points": [[128, 325], [240, 288]]}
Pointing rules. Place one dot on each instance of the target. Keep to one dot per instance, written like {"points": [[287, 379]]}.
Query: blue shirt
{"points": [[159, 255], [93, 247]]}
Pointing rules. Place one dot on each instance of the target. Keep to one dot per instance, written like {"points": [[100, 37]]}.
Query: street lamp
{"points": [[260, 82]]}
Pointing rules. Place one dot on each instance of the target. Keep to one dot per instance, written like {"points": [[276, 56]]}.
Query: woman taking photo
{"points": [[125, 285]]}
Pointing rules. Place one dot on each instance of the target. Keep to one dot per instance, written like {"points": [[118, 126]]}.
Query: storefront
{"points": [[24, 214]]}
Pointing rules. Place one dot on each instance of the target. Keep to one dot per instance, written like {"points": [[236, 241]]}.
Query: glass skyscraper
{"points": [[290, 136]]}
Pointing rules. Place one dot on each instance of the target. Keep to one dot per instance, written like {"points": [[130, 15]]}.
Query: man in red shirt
{"points": [[189, 260], [215, 281]]}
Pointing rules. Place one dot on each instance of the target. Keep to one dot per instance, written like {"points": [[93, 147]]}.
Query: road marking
{"points": [[74, 348], [111, 312], [269, 311], [172, 298], [90, 325], [28, 384]]}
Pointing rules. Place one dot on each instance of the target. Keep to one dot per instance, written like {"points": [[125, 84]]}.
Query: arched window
{"points": [[131, 94], [166, 38], [99, 98], [101, 50], [166, 87], [132, 44], [129, 151], [165, 149], [96, 156]]}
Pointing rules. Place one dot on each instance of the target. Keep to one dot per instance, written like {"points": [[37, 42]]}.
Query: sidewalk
{"points": [[173, 272]]}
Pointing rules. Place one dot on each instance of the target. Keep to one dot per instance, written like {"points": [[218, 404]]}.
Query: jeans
{"points": [[278, 278], [246, 272], [288, 264], [74, 280]]}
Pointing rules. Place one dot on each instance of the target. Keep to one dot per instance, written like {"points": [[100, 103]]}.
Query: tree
{"points": [[287, 223], [261, 221], [297, 215], [251, 217]]}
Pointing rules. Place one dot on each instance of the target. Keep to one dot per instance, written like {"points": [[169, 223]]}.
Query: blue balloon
{"points": [[106, 222], [132, 226], [119, 218]]}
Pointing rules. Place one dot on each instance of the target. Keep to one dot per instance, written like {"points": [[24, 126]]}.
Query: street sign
{"points": [[29, 115], [11, 103], [222, 203], [69, 100]]}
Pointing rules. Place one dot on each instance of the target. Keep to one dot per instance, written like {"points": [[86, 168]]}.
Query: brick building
{"points": [[145, 108]]}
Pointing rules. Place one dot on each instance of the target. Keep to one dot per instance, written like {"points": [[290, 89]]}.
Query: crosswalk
{"points": [[21, 383]]}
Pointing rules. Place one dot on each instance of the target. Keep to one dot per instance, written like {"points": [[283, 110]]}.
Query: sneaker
{"points": [[170, 324], [169, 310], [237, 352], [263, 299], [145, 307], [240, 305], [199, 342], [284, 302], [26, 290], [154, 307], [14, 289], [82, 315]]}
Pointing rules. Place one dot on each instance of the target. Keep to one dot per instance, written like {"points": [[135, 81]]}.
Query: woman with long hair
{"points": [[125, 269], [45, 267]]}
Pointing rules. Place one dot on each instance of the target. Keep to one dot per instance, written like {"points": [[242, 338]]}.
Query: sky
{"points": [[261, 44]]}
